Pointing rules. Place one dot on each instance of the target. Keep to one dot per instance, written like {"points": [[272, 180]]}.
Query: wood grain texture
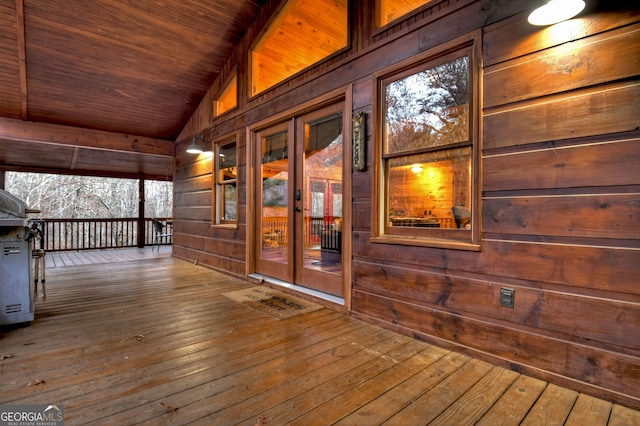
{"points": [[155, 341], [514, 37], [595, 164], [559, 131], [572, 65], [522, 349], [578, 216], [599, 111], [541, 309]]}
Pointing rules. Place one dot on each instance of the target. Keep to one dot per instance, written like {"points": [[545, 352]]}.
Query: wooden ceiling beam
{"points": [[22, 58], [84, 172], [54, 134]]}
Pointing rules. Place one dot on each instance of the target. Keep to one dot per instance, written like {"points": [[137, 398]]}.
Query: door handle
{"points": [[298, 209], [298, 195]]}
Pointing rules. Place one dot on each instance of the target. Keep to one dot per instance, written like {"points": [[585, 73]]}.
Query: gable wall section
{"points": [[559, 187]]}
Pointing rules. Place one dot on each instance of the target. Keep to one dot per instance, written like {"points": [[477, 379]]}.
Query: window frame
{"points": [[254, 62], [232, 81], [467, 45], [379, 9], [218, 184]]}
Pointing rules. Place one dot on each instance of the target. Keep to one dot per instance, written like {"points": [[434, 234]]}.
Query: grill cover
{"points": [[13, 211], [16, 290]]}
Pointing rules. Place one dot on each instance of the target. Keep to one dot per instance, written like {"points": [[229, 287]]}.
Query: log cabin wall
{"points": [[560, 191]]}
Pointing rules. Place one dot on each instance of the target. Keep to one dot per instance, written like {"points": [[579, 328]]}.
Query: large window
{"points": [[228, 98], [429, 149], [226, 170], [303, 33], [389, 10]]}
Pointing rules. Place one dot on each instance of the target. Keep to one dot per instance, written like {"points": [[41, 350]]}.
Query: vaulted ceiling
{"points": [[95, 86]]}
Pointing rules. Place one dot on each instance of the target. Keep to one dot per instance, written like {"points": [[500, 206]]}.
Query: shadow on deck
{"points": [[155, 341]]}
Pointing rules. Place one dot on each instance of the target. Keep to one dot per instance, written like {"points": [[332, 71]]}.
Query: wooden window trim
{"points": [[232, 79], [407, 15], [453, 239], [254, 90], [216, 221]]}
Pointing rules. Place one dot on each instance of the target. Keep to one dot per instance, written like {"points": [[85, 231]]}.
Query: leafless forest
{"points": [[60, 196]]}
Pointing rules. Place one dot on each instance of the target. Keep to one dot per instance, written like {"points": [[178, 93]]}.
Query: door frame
{"points": [[345, 95]]}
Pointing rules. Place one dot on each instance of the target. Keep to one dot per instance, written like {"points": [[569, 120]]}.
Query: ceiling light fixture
{"points": [[194, 148], [555, 11]]}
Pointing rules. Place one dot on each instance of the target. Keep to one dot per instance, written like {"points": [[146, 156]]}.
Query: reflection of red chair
{"points": [[462, 216]]}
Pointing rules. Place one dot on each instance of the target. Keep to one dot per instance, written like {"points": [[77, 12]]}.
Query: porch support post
{"points": [[2, 177], [141, 221]]}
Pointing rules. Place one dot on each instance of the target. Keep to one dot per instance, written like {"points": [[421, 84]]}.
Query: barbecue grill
{"points": [[16, 287]]}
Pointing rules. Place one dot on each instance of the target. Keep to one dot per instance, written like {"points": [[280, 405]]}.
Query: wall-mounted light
{"points": [[416, 168], [555, 11], [194, 148]]}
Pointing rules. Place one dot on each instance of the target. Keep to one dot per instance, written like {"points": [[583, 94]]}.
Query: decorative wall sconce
{"points": [[359, 139], [555, 11], [194, 148]]}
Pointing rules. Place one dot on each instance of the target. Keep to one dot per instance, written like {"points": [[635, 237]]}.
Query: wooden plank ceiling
{"points": [[105, 86]]}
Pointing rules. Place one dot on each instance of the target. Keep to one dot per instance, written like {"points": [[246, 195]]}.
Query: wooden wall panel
{"points": [[199, 198], [510, 39], [193, 213], [454, 18], [560, 194], [556, 313], [362, 214], [600, 163], [198, 183], [189, 165], [602, 58], [594, 111], [228, 248], [204, 229], [581, 269], [579, 216], [579, 366], [236, 268]]}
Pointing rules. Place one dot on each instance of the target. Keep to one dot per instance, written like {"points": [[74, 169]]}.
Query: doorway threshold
{"points": [[298, 288]]}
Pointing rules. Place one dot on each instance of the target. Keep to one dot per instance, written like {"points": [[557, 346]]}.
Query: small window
{"points": [[389, 10], [302, 34], [225, 191], [228, 98], [428, 151]]}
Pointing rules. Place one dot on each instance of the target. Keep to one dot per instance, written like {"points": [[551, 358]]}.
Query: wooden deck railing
{"points": [[91, 234], [317, 230]]}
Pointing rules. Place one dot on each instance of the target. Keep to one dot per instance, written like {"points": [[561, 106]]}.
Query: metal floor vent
{"points": [[13, 309], [9, 251]]}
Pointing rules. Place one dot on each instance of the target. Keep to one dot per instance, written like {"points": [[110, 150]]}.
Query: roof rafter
{"points": [[55, 134], [22, 61]]}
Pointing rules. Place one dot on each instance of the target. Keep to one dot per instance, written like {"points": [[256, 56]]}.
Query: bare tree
{"points": [[79, 197], [428, 108]]}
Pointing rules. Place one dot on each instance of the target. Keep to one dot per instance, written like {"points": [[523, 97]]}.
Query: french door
{"points": [[299, 205]]}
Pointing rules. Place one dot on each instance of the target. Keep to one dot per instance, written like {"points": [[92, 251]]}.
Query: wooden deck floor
{"points": [[155, 342], [61, 259]]}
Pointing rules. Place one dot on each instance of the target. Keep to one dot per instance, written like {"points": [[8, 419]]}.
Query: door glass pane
{"points": [[323, 194], [275, 200]]}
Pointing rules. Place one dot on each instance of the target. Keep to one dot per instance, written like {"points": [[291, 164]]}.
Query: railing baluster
{"points": [[85, 234]]}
